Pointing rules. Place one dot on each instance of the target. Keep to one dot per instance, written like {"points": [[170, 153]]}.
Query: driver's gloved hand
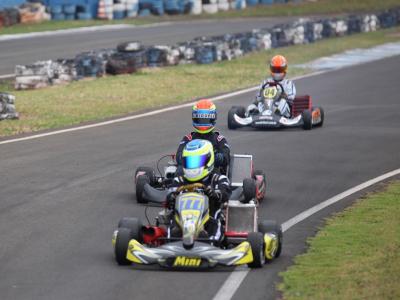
{"points": [[211, 193], [219, 159]]}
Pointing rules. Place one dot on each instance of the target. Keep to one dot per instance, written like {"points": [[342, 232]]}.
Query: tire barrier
{"points": [[7, 107], [129, 57]]}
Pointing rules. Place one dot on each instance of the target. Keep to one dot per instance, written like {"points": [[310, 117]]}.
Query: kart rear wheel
{"points": [[141, 181], [307, 119], [134, 225], [121, 246], [272, 227], [322, 117], [232, 124], [256, 241], [249, 189], [263, 186], [149, 172]]}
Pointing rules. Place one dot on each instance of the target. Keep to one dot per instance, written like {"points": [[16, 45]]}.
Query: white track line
{"points": [[7, 76], [151, 113], [232, 283]]}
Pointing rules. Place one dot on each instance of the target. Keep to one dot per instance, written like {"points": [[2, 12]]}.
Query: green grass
{"points": [[111, 96], [318, 7], [356, 256]]}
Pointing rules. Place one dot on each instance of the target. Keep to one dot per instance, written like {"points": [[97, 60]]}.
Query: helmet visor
{"points": [[197, 161], [204, 117], [280, 69]]}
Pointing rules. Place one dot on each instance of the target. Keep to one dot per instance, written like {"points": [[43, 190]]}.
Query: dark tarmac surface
{"points": [[62, 196]]}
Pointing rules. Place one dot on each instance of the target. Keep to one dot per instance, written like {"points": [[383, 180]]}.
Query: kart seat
{"points": [[301, 103]]}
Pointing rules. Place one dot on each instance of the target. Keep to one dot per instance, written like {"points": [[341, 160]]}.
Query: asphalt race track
{"points": [[62, 196], [28, 50]]}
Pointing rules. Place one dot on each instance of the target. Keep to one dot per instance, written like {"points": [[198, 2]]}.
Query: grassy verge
{"points": [[356, 256], [291, 9], [89, 100]]}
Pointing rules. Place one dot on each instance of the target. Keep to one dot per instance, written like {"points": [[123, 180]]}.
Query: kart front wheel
{"points": [[272, 227], [307, 119], [134, 225], [232, 124], [256, 241], [121, 246], [149, 172]]}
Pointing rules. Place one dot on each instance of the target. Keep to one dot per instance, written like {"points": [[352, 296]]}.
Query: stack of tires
{"points": [[147, 7], [89, 64], [252, 2], [7, 107], [9, 17], [132, 8], [238, 4], [70, 12], [206, 53], [33, 12], [37, 75], [223, 5], [129, 58], [197, 7], [210, 6]]}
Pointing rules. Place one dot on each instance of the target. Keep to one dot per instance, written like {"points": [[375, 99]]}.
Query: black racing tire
{"points": [[134, 225], [265, 226], [322, 117], [249, 189], [232, 124], [121, 246], [149, 172], [307, 119], [141, 181], [241, 111], [261, 173], [256, 241]]}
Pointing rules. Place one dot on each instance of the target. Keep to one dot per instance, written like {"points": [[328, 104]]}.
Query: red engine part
{"points": [[152, 235]]}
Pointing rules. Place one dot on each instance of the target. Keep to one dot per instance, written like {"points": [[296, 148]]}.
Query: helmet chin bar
{"points": [[278, 76]]}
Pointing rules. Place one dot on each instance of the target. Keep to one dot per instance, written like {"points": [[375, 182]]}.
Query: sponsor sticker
{"points": [[265, 123], [266, 118], [182, 261]]}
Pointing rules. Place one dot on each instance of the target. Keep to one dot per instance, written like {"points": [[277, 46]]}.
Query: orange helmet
{"points": [[204, 116], [278, 67]]}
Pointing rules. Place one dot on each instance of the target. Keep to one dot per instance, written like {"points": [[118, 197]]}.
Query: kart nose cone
{"points": [[189, 230]]}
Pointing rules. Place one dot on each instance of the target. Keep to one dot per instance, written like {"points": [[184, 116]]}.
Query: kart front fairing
{"points": [[202, 255], [268, 119]]}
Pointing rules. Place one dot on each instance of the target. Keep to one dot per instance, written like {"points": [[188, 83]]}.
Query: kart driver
{"points": [[204, 116], [278, 67], [198, 167]]}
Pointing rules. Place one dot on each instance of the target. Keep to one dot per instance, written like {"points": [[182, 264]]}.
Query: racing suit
{"points": [[218, 191], [286, 102], [220, 145]]}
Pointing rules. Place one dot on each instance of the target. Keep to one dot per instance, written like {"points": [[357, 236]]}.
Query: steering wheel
{"points": [[275, 84], [190, 187]]}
